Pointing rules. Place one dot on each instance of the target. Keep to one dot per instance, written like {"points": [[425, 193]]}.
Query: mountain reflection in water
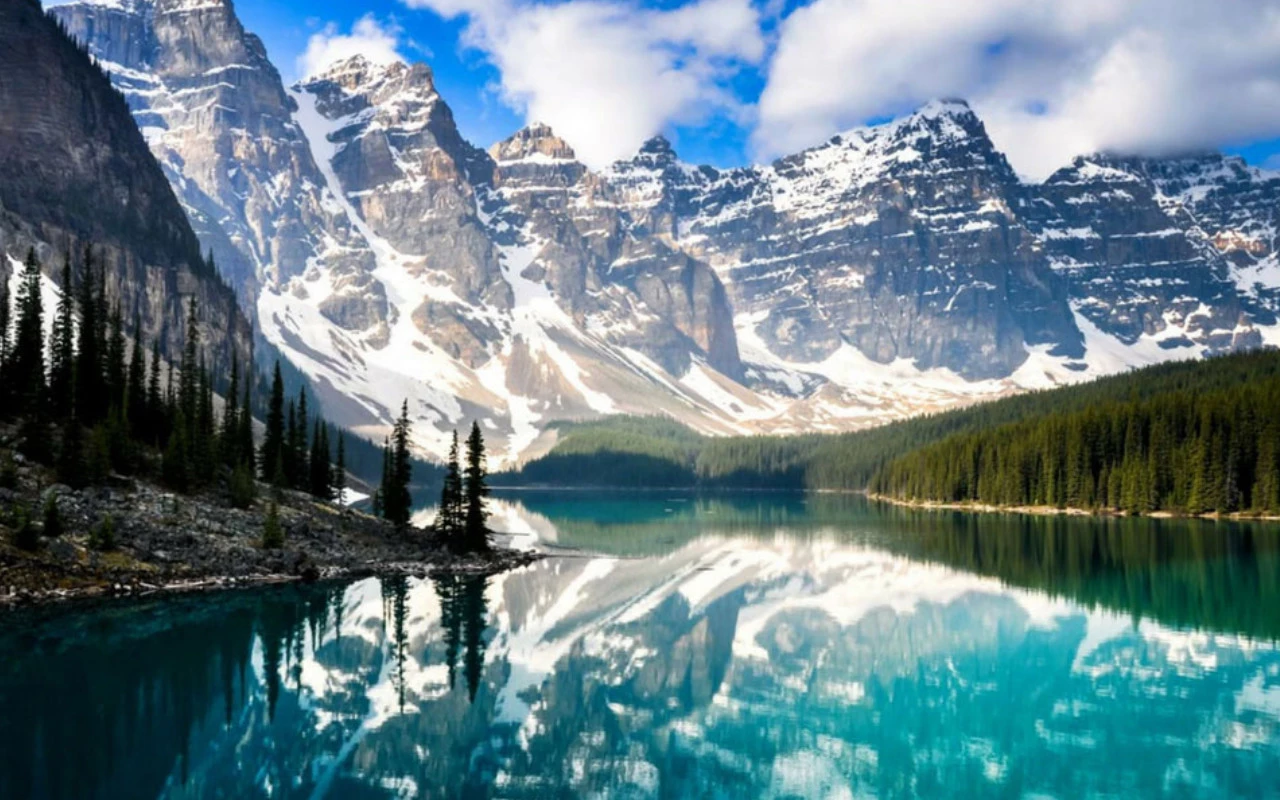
{"points": [[776, 647]]}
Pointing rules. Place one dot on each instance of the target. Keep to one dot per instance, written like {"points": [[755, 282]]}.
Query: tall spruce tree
{"points": [[244, 434], [135, 400], [116, 370], [396, 500], [154, 427], [89, 384], [320, 468], [291, 456], [476, 492], [339, 481], [229, 435], [26, 372], [62, 366], [450, 517], [189, 372], [272, 455]]}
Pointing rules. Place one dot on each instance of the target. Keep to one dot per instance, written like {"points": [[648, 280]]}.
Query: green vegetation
{"points": [[25, 535], [1222, 438], [53, 527], [103, 535], [463, 514], [392, 500], [104, 402], [1195, 450], [272, 530]]}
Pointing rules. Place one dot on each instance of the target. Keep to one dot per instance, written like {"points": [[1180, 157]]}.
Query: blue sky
{"points": [[734, 81]]}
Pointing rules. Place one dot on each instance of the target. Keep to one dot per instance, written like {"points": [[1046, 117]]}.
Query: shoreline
{"points": [[161, 542], [1067, 511], [136, 588]]}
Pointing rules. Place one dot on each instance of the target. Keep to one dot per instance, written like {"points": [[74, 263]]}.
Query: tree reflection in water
{"points": [[760, 648]]}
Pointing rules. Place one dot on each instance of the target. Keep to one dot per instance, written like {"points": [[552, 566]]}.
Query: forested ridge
{"points": [[1194, 450], [1195, 402]]}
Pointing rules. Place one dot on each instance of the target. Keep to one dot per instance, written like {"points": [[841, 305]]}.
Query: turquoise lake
{"points": [[677, 646]]}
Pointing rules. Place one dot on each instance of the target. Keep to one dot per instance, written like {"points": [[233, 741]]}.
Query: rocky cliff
{"points": [[75, 171], [890, 271]]}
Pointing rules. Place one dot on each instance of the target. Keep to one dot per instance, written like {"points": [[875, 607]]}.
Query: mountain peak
{"points": [[659, 146], [944, 107], [535, 141], [358, 70]]}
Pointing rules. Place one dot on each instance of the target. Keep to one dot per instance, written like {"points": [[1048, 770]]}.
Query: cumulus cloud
{"points": [[608, 74], [1052, 78], [377, 41]]}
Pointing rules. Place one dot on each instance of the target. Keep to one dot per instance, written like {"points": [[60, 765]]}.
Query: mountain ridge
{"points": [[892, 270]]}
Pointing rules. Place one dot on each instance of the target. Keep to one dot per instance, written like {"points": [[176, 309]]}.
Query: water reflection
{"points": [[792, 651]]}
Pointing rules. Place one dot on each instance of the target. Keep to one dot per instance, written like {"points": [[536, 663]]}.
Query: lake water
{"points": [[743, 646]]}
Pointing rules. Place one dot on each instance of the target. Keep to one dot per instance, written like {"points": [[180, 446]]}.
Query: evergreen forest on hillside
{"points": [[1211, 418], [91, 400]]}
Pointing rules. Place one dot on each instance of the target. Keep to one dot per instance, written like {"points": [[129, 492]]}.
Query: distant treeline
{"points": [[653, 452], [1195, 450]]}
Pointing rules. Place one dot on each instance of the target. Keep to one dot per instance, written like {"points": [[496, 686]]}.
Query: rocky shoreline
{"points": [[1057, 511], [169, 543]]}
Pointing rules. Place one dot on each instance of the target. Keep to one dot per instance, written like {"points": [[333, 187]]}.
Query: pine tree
{"points": [[25, 535], [26, 372], [115, 363], [450, 518], [135, 401], [62, 356], [71, 467], [1266, 493], [397, 502], [291, 455], [52, 527], [103, 535], [89, 384], [154, 427], [303, 431], [189, 373], [245, 433], [272, 530], [339, 481], [176, 465], [475, 492], [229, 436], [271, 460], [202, 440], [319, 468]]}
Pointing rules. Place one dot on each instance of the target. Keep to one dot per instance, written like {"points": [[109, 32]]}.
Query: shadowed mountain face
{"points": [[757, 647], [890, 271], [75, 172]]}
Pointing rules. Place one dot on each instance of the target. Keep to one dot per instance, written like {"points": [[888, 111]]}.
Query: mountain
{"points": [[76, 172], [891, 271]]}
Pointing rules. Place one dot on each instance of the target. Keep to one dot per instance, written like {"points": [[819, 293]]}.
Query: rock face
{"points": [[890, 271], [75, 172], [901, 241]]}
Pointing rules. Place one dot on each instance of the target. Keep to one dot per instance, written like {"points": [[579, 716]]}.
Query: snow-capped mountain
{"points": [[890, 271], [75, 173]]}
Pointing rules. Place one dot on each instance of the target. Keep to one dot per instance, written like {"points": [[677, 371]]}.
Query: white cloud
{"points": [[1052, 78], [379, 42], [608, 74]]}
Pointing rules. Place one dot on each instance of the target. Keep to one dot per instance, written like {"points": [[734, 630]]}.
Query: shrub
{"points": [[272, 531], [103, 535], [25, 535], [242, 487], [52, 519]]}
